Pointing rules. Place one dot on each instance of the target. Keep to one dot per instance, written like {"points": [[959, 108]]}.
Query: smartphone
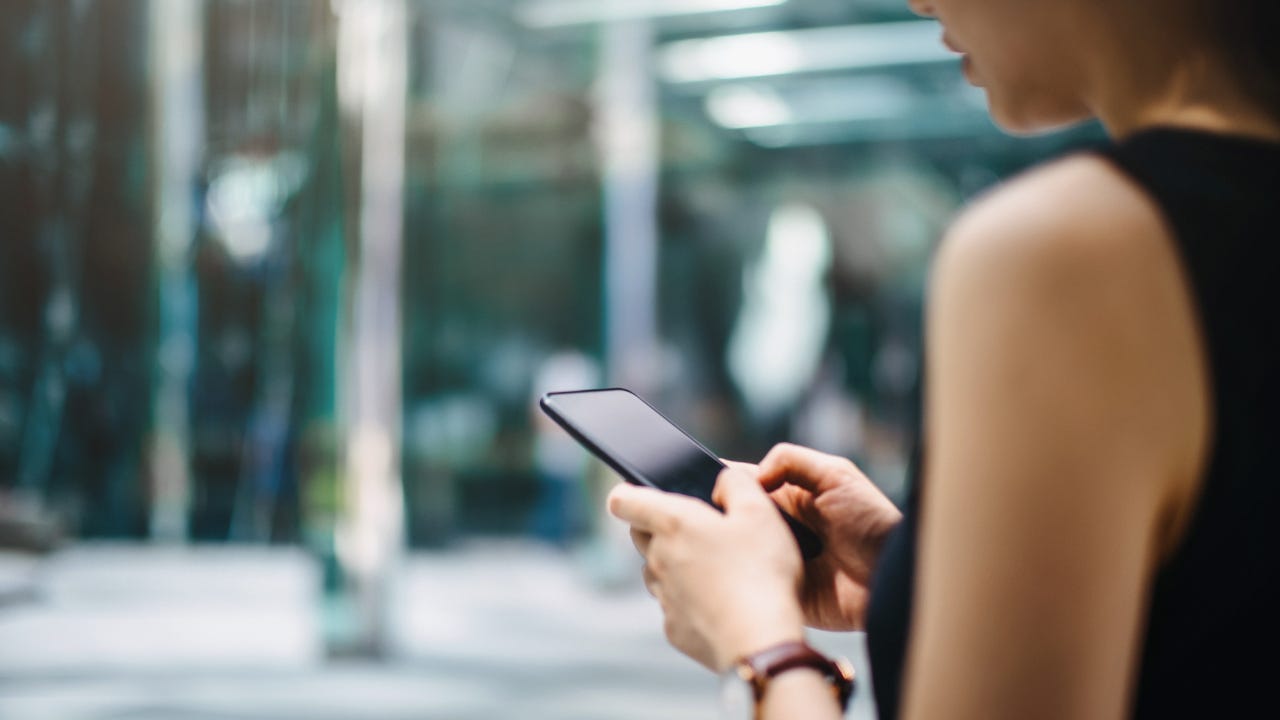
{"points": [[645, 448]]}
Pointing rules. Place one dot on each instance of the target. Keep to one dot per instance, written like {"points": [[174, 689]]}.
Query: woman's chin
{"points": [[1028, 121]]}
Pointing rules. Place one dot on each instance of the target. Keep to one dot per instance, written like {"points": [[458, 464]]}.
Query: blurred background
{"points": [[281, 281]]}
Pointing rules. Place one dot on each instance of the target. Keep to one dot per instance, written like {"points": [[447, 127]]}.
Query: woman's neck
{"points": [[1224, 114], [1141, 80]]}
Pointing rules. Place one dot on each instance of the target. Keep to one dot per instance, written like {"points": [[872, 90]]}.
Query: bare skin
{"points": [[827, 493], [1067, 403], [1066, 323]]}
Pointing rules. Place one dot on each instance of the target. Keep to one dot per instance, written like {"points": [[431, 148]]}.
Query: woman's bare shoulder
{"points": [[1059, 407], [1080, 209], [1070, 269]]}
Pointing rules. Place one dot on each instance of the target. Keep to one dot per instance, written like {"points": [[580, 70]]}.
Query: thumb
{"points": [[738, 488]]}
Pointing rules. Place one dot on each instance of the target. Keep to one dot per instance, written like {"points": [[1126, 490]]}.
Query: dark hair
{"points": [[1247, 33]]}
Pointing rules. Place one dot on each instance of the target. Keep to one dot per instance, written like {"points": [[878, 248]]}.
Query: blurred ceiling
{"points": [[776, 73]]}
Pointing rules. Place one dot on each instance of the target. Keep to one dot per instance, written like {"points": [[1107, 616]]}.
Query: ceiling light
{"points": [[786, 52], [746, 106], [834, 100]]}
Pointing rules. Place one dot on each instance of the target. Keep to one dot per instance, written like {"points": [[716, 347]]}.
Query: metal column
{"points": [[177, 57], [627, 134], [373, 85]]}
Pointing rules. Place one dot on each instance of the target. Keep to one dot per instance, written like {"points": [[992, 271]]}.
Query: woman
{"points": [[1093, 534]]}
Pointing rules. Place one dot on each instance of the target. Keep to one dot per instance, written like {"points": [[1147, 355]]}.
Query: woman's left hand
{"points": [[728, 583]]}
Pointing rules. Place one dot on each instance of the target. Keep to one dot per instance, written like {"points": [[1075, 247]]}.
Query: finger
{"points": [[641, 540], [772, 487], [650, 510], [737, 489], [650, 580], [750, 468], [806, 468]]}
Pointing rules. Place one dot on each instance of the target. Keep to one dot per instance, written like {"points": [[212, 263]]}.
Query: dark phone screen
{"points": [[641, 440]]}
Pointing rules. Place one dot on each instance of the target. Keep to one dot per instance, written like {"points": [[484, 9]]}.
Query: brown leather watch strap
{"points": [[761, 667]]}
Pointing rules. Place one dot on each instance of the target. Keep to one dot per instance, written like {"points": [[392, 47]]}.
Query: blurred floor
{"points": [[491, 631]]}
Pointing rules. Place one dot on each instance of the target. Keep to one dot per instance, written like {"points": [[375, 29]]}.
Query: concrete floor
{"points": [[499, 630]]}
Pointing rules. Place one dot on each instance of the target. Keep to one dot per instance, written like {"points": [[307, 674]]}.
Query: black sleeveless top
{"points": [[1212, 641]]}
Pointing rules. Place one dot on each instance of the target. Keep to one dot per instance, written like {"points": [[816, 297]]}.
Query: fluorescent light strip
{"points": [[564, 13], [732, 57], [742, 106], [920, 127]]}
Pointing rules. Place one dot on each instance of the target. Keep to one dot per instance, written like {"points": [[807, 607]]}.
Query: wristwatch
{"points": [[742, 687]]}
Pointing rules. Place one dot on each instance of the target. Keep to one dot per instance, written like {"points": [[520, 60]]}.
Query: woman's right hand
{"points": [[851, 515]]}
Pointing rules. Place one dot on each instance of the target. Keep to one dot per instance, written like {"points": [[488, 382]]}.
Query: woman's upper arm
{"points": [[1053, 459]]}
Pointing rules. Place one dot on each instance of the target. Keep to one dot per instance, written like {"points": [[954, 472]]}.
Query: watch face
{"points": [[737, 701]]}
